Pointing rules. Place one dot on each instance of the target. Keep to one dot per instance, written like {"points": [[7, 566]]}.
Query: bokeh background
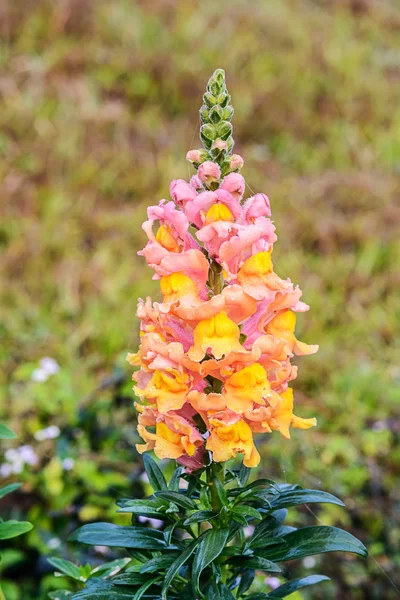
{"points": [[98, 105]]}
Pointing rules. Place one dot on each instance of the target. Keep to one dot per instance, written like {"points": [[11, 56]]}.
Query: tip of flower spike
{"points": [[216, 129]]}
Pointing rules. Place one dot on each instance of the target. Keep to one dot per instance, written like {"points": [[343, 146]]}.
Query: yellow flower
{"points": [[165, 237], [171, 440], [282, 416], [257, 277], [219, 212], [176, 285], [218, 335], [258, 265], [245, 387], [282, 327], [167, 388], [225, 441]]}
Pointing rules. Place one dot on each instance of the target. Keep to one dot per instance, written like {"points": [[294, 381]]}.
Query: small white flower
{"points": [[54, 543], [144, 477], [248, 531], [68, 464], [309, 562], [155, 523], [11, 454], [50, 433], [17, 467], [273, 582], [101, 549], [49, 365], [28, 455], [39, 375], [5, 470]]}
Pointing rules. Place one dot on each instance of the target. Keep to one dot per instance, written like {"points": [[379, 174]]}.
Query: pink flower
{"points": [[235, 184], [209, 172], [236, 162], [192, 463], [196, 183], [181, 192], [196, 156], [172, 234], [196, 210], [256, 206], [248, 240], [191, 263]]}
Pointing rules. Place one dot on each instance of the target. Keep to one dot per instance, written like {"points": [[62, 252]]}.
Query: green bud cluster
{"points": [[216, 130]]}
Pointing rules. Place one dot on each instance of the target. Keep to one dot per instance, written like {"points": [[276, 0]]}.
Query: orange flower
{"points": [[218, 335], [168, 389], [282, 328], [226, 441], [246, 387]]}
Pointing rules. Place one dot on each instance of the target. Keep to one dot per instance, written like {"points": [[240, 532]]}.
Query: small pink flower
{"points": [[196, 156], [196, 183], [209, 172], [181, 192], [256, 206], [235, 184], [236, 162], [219, 145], [197, 208]]}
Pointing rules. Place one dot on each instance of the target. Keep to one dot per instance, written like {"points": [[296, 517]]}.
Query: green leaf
{"points": [[11, 529], [67, 568], [244, 474], [60, 595], [200, 516], [218, 591], [255, 484], [177, 498], [247, 511], [246, 581], [154, 473], [208, 550], [132, 579], [174, 483], [157, 563], [106, 534], [296, 497], [7, 489], [98, 589], [292, 586], [111, 568], [143, 589], [145, 507], [263, 531], [5, 433], [315, 540], [221, 492], [177, 565], [255, 562]]}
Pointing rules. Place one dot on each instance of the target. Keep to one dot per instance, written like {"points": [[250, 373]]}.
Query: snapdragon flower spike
{"points": [[215, 354]]}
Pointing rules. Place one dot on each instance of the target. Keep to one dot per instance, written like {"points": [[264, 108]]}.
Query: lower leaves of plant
{"points": [[218, 533]]}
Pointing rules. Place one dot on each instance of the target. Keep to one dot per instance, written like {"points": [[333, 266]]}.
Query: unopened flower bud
{"points": [[181, 192], [197, 156], [196, 183], [235, 162], [209, 172], [256, 206], [235, 184]]}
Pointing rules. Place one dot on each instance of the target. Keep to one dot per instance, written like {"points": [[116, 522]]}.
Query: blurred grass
{"points": [[99, 105]]}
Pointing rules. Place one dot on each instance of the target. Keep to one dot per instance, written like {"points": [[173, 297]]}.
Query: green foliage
{"points": [[219, 555], [99, 101]]}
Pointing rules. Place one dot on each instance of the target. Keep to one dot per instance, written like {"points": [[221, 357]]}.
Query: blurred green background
{"points": [[98, 105]]}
